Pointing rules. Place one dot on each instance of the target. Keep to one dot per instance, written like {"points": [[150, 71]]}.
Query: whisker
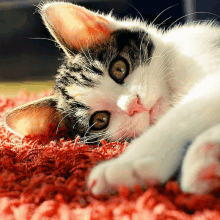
{"points": [[137, 11], [152, 23], [39, 38], [105, 134], [62, 120], [163, 12], [85, 55], [88, 130], [217, 16], [163, 21]]}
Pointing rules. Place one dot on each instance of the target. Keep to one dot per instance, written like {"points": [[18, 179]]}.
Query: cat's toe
{"points": [[121, 173], [97, 180], [202, 179], [109, 176], [201, 169]]}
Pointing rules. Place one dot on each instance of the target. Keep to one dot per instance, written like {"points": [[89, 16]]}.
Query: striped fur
{"points": [[86, 68]]}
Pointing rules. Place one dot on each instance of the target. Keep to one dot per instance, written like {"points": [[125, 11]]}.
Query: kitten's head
{"points": [[112, 83]]}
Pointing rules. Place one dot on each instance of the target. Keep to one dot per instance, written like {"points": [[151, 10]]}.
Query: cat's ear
{"points": [[34, 118], [74, 27]]}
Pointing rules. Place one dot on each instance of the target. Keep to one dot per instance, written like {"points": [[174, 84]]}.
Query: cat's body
{"points": [[119, 78]]}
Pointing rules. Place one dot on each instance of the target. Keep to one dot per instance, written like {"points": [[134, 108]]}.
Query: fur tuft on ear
{"points": [[74, 27], [34, 118]]}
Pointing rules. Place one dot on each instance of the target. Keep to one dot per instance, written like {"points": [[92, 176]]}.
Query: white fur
{"points": [[184, 72], [184, 75], [203, 153]]}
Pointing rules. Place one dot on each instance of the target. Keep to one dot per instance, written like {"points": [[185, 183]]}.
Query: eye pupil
{"points": [[120, 70], [102, 120], [99, 120]]}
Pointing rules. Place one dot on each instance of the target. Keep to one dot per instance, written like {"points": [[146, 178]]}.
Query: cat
{"points": [[128, 80]]}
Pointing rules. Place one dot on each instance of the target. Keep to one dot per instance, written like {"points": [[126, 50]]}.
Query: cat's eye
{"points": [[99, 120], [119, 69]]}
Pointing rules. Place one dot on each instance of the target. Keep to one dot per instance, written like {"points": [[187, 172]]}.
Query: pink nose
{"points": [[136, 107]]}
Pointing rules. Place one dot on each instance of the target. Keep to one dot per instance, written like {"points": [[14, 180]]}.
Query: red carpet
{"points": [[41, 180]]}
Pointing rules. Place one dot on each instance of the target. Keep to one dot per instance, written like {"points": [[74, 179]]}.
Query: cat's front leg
{"points": [[151, 158], [126, 170], [201, 165], [157, 153]]}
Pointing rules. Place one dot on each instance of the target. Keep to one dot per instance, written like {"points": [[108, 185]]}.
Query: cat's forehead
{"points": [[133, 45], [87, 68], [121, 40]]}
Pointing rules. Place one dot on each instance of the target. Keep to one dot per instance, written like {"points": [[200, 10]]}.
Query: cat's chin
{"points": [[140, 122]]}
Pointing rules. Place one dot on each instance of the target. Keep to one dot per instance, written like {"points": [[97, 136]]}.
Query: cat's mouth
{"points": [[155, 112]]}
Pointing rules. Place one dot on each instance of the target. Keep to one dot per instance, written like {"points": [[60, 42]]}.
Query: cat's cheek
{"points": [[130, 126], [157, 111]]}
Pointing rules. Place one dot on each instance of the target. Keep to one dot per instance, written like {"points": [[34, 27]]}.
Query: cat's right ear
{"points": [[74, 28], [34, 118]]}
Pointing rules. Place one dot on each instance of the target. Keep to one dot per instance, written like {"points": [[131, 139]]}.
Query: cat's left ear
{"points": [[34, 118], [74, 27]]}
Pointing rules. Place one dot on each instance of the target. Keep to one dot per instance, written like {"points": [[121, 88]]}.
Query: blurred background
{"points": [[27, 55]]}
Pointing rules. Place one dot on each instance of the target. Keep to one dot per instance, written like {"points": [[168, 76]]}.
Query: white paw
{"points": [[201, 166], [110, 175]]}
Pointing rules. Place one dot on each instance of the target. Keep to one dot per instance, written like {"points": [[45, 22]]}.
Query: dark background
{"points": [[25, 56]]}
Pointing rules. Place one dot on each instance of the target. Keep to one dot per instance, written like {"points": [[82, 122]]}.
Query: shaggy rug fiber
{"points": [[43, 179]]}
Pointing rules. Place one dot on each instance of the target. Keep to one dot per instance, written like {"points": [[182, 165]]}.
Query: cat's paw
{"points": [[201, 165], [110, 175]]}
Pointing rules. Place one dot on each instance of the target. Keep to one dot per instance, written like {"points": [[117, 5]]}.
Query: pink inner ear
{"points": [[33, 120], [76, 26]]}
